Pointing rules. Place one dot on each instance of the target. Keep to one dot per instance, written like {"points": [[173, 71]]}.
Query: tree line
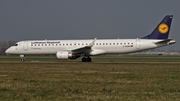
{"points": [[5, 45]]}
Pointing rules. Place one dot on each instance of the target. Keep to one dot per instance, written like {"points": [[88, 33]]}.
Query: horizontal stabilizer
{"points": [[167, 41]]}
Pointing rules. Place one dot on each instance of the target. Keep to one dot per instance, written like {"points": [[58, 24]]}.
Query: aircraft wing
{"points": [[83, 50]]}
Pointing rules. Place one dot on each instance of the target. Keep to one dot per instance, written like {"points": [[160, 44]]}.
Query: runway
{"points": [[139, 62], [79, 62]]}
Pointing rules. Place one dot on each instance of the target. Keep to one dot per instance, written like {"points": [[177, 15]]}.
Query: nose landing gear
{"points": [[22, 58]]}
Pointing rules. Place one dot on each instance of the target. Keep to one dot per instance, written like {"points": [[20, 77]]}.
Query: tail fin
{"points": [[162, 30]]}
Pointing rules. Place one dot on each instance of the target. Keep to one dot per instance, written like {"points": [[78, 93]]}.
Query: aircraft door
{"points": [[25, 45], [137, 43]]}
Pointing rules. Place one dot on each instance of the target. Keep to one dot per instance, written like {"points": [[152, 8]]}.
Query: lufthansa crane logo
{"points": [[163, 28]]}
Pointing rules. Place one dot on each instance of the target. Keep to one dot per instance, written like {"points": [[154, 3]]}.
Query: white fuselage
{"points": [[101, 46]]}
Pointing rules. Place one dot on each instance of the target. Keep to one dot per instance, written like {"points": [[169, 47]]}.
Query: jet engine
{"points": [[65, 55]]}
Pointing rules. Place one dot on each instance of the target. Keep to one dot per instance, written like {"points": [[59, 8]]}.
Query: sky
{"points": [[86, 19]]}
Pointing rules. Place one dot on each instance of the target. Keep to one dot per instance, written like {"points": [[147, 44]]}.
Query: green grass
{"points": [[76, 81]]}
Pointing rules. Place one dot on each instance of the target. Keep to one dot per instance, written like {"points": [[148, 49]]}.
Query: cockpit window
{"points": [[16, 45]]}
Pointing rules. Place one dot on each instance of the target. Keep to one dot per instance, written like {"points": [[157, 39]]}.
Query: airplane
{"points": [[73, 49]]}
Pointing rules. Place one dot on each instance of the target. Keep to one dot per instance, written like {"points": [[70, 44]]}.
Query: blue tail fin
{"points": [[162, 30]]}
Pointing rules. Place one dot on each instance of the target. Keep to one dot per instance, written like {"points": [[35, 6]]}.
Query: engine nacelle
{"points": [[65, 55]]}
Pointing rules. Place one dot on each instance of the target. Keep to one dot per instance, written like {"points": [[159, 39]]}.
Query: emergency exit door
{"points": [[25, 45]]}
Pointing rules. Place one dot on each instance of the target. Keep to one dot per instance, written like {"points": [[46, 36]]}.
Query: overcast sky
{"points": [[85, 19]]}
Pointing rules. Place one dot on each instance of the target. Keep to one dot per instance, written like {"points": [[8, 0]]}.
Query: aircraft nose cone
{"points": [[7, 51]]}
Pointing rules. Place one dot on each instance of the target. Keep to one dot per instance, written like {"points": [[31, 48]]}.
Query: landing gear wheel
{"points": [[84, 59], [22, 60], [88, 59]]}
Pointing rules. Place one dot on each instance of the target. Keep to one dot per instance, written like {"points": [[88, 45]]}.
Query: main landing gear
{"points": [[86, 59], [22, 58]]}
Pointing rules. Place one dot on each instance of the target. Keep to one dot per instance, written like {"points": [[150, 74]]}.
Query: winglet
{"points": [[92, 43]]}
